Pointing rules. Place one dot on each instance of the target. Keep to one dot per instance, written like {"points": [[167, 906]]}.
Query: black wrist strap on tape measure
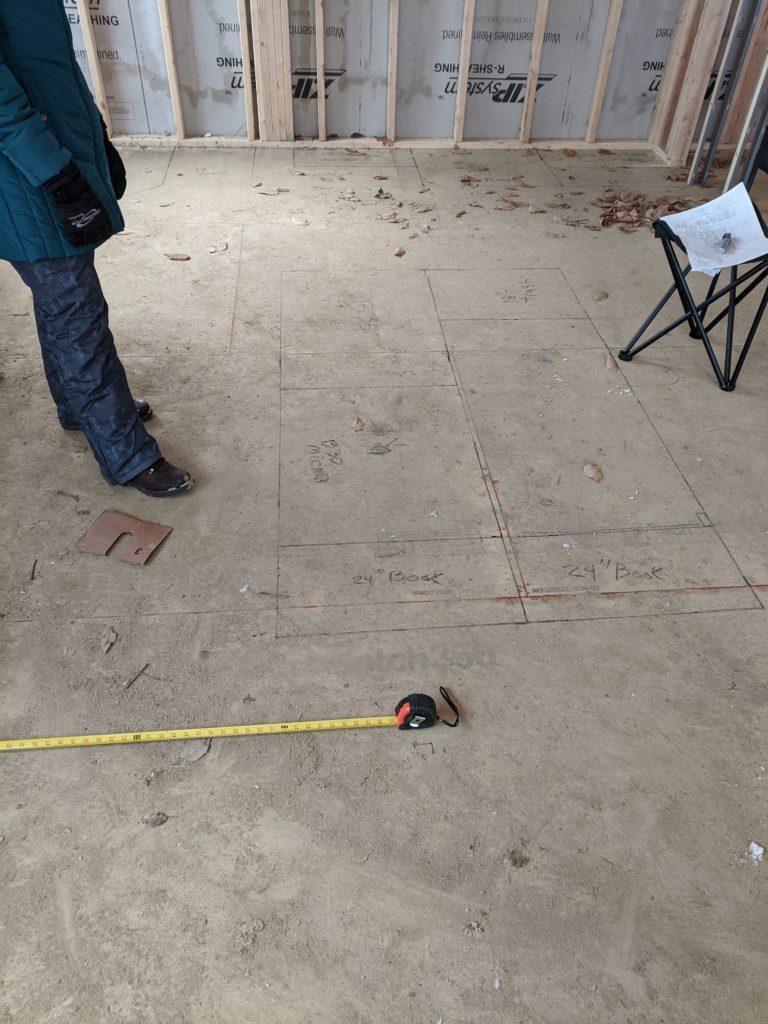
{"points": [[419, 711]]}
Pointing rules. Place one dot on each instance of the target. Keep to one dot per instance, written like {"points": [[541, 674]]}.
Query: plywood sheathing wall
{"points": [[694, 57], [428, 66], [130, 52], [706, 45], [356, 56], [749, 77], [214, 88]]}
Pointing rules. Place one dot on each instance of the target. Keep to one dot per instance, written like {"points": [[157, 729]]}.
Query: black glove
{"points": [[83, 217], [116, 165]]}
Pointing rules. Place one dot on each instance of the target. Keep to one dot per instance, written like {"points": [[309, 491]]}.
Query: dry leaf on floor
{"points": [[193, 750], [355, 152], [593, 472], [558, 206], [605, 152], [359, 424], [326, 177], [381, 194], [155, 820], [611, 364], [461, 213], [300, 222], [257, 184], [413, 236], [555, 234], [425, 209], [219, 247], [680, 176], [425, 189], [569, 152], [107, 640], [470, 180], [533, 208], [631, 210], [600, 296], [400, 251], [381, 177], [179, 257], [521, 182], [273, 191], [297, 172]]}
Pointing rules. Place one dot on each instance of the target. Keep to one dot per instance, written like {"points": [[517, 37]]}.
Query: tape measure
{"points": [[417, 711]]}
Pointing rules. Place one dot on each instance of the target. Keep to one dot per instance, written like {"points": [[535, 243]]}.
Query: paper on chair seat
{"points": [[721, 233]]}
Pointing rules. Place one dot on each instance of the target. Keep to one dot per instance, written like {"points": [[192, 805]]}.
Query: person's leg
{"points": [[51, 374], [86, 377]]}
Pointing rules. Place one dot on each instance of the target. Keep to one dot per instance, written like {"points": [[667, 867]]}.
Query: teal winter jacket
{"points": [[47, 118]]}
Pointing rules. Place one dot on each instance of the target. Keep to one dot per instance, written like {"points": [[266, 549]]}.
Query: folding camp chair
{"points": [[742, 281]]}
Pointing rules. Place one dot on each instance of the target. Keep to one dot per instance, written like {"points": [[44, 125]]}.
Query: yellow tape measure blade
{"points": [[195, 733]]}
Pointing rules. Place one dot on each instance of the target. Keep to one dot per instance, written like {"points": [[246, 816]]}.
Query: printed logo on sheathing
{"points": [[429, 38], [658, 66], [501, 38], [492, 82], [130, 51], [99, 14], [305, 82], [233, 74], [356, 66]]}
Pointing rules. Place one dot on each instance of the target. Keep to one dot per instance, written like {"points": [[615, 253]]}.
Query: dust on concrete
{"points": [[575, 850]]}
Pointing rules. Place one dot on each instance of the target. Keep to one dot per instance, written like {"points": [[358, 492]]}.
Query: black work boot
{"points": [[144, 409], [162, 480]]}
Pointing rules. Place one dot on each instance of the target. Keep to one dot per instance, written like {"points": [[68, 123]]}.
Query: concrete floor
{"points": [[576, 852]]}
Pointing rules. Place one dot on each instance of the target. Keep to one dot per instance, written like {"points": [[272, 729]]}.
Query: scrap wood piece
{"points": [[110, 526], [128, 683]]}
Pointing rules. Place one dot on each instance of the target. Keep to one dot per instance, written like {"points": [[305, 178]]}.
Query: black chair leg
{"points": [[729, 333], [689, 305], [629, 350], [750, 338], [694, 314], [710, 292]]}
